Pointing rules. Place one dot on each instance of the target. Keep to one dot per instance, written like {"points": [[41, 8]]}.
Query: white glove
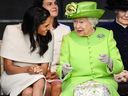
{"points": [[66, 68], [105, 59]]}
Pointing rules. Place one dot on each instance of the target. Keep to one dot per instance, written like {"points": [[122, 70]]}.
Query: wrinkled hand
{"points": [[51, 75], [35, 69], [105, 59], [66, 68], [121, 77]]}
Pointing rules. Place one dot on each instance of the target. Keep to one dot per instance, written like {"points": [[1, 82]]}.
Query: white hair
{"points": [[93, 21]]}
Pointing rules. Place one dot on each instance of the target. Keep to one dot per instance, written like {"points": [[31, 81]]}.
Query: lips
{"points": [[79, 31], [55, 11]]}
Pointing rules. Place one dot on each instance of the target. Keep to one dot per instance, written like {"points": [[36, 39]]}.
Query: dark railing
{"points": [[3, 23]]}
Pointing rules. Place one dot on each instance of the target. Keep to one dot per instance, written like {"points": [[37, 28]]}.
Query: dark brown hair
{"points": [[32, 19]]}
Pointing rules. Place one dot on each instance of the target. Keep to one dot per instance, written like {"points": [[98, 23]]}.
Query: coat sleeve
{"points": [[64, 57], [114, 55]]}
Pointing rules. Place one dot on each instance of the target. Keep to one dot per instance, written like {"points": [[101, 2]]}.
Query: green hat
{"points": [[83, 9]]}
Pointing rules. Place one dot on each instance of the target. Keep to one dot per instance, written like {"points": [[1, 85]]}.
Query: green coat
{"points": [[82, 53]]}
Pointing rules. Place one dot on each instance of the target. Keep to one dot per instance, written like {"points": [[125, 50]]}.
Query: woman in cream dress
{"points": [[27, 52]]}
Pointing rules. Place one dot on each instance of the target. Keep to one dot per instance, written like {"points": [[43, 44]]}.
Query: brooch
{"points": [[100, 36]]}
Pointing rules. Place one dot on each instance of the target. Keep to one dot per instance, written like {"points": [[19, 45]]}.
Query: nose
{"points": [[77, 25], [54, 5], [48, 27]]}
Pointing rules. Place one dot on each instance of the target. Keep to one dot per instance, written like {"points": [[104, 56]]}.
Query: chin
{"points": [[80, 34], [54, 14], [125, 23]]}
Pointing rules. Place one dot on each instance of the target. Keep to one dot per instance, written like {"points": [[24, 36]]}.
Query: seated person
{"points": [[27, 51], [58, 30], [120, 30], [89, 57]]}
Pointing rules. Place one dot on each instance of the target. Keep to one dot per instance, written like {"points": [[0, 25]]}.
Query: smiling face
{"points": [[51, 6], [44, 27], [83, 27], [122, 17]]}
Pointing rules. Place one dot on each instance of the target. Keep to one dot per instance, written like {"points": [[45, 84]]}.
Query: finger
{"points": [[71, 68], [52, 73], [101, 58], [39, 72], [102, 55], [34, 69], [67, 65], [54, 77]]}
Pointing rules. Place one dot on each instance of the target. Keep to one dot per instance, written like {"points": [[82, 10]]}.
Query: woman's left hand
{"points": [[35, 69], [51, 75]]}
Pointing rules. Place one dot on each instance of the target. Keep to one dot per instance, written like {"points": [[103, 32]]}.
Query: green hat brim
{"points": [[88, 14]]}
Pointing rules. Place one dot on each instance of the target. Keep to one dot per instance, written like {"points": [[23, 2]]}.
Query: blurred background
{"points": [[11, 12]]}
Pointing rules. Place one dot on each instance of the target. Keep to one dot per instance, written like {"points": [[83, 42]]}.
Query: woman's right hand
{"points": [[35, 69]]}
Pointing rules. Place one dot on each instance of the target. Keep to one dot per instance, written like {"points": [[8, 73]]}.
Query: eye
{"points": [[49, 4], [75, 21], [47, 25], [81, 21], [55, 3]]}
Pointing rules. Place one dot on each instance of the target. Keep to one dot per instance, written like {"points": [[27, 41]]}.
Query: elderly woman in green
{"points": [[89, 56]]}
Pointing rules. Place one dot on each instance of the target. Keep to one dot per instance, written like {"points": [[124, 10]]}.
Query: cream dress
{"points": [[16, 46], [58, 34]]}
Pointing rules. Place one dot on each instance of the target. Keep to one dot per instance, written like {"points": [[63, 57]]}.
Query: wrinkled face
{"points": [[83, 27], [44, 27], [51, 6], [122, 17]]}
